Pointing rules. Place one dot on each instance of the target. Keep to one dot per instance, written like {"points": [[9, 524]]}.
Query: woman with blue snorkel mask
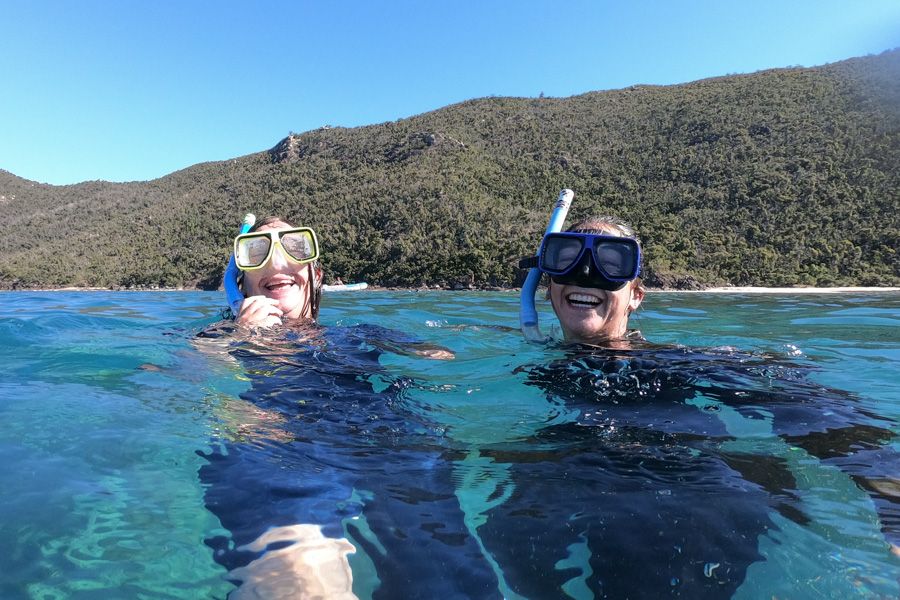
{"points": [[595, 285], [671, 465]]}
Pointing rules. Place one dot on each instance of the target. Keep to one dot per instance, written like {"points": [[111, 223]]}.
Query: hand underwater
{"points": [[304, 565], [434, 352]]}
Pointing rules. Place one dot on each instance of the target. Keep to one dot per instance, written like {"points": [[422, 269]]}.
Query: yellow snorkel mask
{"points": [[252, 251]]}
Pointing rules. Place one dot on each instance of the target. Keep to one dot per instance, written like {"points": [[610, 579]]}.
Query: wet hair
{"points": [[315, 294], [605, 224]]}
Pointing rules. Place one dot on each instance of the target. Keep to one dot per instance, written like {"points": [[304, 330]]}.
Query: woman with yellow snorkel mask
{"points": [[281, 277], [319, 419]]}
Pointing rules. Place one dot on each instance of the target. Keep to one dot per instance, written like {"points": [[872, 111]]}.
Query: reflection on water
{"points": [[340, 458]]}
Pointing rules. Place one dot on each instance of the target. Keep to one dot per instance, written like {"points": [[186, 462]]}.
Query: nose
{"points": [[278, 259], [584, 265]]}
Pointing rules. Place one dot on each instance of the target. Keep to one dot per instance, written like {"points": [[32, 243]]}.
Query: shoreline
{"points": [[784, 290], [371, 288]]}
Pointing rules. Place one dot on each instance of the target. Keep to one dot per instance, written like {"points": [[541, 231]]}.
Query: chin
{"points": [[581, 329], [289, 305], [593, 329]]}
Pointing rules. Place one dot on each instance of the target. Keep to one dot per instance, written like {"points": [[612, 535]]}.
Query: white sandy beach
{"points": [[787, 290]]}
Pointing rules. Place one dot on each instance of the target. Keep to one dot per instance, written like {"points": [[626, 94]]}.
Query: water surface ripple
{"points": [[748, 450]]}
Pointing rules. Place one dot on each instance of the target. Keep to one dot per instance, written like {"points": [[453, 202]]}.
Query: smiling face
{"points": [[591, 315], [286, 282]]}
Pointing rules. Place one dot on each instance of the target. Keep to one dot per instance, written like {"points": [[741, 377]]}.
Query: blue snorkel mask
{"points": [[588, 259]]}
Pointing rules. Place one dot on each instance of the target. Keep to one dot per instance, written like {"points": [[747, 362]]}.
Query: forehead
{"points": [[611, 230], [275, 225]]}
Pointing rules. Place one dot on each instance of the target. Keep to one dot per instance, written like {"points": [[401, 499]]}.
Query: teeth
{"points": [[583, 298]]}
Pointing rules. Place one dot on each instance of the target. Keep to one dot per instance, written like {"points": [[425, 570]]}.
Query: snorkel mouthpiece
{"points": [[528, 317], [233, 292]]}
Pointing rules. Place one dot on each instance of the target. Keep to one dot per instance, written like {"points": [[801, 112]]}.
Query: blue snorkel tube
{"points": [[232, 290], [528, 317]]}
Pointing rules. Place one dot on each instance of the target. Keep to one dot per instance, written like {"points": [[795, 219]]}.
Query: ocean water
{"points": [[750, 451]]}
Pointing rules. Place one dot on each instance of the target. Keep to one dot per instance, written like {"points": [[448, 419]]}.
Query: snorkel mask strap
{"points": [[316, 278], [528, 317], [233, 293]]}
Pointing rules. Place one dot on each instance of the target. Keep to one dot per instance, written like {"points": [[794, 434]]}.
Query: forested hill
{"points": [[782, 177]]}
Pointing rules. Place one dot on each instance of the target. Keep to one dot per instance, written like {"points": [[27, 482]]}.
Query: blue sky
{"points": [[128, 90]]}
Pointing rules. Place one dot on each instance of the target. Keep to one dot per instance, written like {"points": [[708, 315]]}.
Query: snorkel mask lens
{"points": [[590, 260], [254, 250]]}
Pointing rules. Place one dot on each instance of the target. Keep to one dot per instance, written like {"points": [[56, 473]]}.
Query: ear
{"points": [[637, 296]]}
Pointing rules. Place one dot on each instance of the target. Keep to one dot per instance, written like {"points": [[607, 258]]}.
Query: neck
{"points": [[599, 338]]}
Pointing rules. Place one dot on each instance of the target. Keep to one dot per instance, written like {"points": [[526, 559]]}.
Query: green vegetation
{"points": [[783, 177]]}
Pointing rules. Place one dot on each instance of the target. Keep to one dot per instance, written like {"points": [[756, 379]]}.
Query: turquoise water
{"points": [[110, 406]]}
